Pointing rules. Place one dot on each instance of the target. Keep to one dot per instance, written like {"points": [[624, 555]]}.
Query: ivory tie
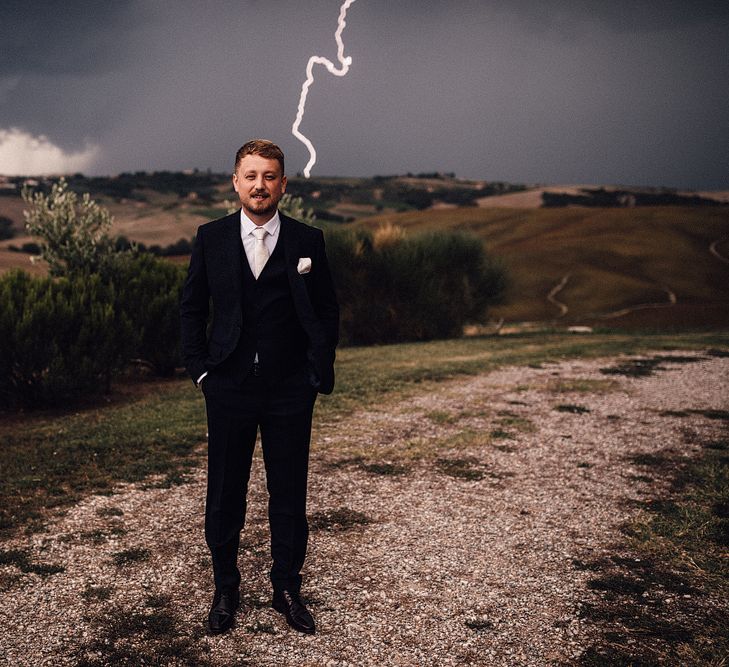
{"points": [[260, 254]]}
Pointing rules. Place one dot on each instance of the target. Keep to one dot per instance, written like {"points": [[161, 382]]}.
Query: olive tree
{"points": [[73, 230]]}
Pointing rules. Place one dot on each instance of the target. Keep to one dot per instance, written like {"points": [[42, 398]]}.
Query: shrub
{"points": [[30, 248], [148, 293], [294, 206], [393, 287], [61, 339], [75, 244], [6, 228]]}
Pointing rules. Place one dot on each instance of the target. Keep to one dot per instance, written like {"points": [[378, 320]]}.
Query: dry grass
{"points": [[616, 258]]}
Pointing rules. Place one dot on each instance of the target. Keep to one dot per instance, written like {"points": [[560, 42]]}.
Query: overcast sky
{"points": [[528, 91]]}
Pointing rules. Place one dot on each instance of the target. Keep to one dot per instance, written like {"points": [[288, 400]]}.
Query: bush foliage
{"points": [[61, 339], [107, 304], [148, 294], [64, 338], [394, 287]]}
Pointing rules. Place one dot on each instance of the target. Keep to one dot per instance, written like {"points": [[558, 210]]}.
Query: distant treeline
{"points": [[132, 186], [392, 192], [600, 197], [122, 243], [6, 228], [413, 191]]}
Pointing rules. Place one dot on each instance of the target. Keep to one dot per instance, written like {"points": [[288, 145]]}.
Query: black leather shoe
{"points": [[222, 612], [297, 615]]}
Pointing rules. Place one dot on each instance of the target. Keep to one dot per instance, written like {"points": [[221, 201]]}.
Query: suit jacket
{"points": [[216, 275]]}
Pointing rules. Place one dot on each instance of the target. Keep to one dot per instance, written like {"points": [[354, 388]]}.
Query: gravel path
{"points": [[444, 530]]}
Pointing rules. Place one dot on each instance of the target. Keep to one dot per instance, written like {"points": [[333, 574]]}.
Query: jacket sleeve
{"points": [[194, 309], [326, 306]]}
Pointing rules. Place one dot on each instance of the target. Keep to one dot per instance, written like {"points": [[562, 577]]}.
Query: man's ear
{"points": [[284, 181], [235, 182]]}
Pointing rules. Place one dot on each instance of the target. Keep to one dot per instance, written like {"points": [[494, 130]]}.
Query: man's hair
{"points": [[261, 147]]}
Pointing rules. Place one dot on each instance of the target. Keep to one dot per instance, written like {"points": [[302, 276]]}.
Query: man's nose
{"points": [[260, 183]]}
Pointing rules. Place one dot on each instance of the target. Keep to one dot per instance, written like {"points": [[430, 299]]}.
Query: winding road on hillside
{"points": [[715, 251], [643, 306], [564, 309], [552, 296]]}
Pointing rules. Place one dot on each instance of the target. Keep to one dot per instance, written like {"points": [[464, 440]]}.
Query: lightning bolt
{"points": [[333, 69]]}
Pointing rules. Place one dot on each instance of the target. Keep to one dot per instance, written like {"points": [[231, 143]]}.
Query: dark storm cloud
{"points": [[619, 15], [52, 37], [563, 91]]}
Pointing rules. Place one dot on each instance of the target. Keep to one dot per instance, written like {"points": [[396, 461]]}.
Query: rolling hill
{"points": [[640, 266], [650, 267]]}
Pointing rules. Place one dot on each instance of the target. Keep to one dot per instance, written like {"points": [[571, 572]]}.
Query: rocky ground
{"points": [[447, 529]]}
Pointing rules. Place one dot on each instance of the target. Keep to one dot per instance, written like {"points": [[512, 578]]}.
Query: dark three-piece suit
{"points": [[269, 351]]}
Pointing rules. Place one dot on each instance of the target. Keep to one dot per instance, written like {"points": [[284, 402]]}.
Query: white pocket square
{"points": [[304, 265]]}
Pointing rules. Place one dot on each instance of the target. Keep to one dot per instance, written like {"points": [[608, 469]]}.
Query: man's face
{"points": [[260, 186]]}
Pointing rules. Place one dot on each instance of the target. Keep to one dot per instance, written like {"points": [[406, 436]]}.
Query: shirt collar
{"points": [[247, 225]]}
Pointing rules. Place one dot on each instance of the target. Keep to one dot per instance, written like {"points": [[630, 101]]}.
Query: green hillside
{"points": [[612, 258]]}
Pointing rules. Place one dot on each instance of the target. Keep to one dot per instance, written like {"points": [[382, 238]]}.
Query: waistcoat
{"points": [[271, 326]]}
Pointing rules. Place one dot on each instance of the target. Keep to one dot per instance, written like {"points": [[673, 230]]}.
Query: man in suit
{"points": [[270, 349]]}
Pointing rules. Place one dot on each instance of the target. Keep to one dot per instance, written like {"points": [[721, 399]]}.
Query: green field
{"points": [[615, 258]]}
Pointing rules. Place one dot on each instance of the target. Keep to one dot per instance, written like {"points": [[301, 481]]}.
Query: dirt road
{"points": [[447, 529]]}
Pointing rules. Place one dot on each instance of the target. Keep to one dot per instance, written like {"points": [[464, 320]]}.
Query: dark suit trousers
{"points": [[236, 409]]}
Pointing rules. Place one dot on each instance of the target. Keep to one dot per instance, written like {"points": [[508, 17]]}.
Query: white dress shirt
{"points": [[249, 240], [249, 245]]}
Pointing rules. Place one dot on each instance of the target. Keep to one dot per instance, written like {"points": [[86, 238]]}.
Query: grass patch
{"points": [[582, 385], [636, 368], [157, 601], [346, 462], [441, 417], [150, 636], [173, 478], [99, 593], [109, 512], [516, 422], [713, 414], [260, 627], [721, 415], [129, 556], [22, 560], [478, 624], [505, 448], [52, 459], [93, 536], [55, 459], [462, 468], [571, 408], [337, 520], [671, 584], [660, 460], [389, 469], [648, 366], [9, 580]]}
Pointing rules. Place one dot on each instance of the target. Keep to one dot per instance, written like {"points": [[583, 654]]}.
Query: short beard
{"points": [[270, 208]]}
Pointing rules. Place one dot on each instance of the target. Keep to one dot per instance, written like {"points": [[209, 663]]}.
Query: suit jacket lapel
{"points": [[231, 251], [299, 293]]}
